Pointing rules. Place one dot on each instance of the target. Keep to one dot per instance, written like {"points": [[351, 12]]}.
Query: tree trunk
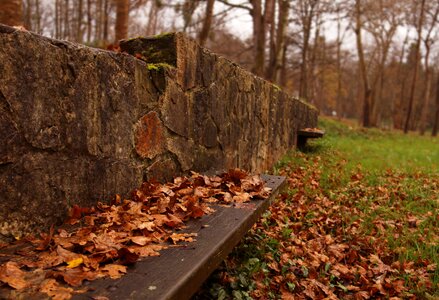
{"points": [[271, 66], [151, 26], [122, 11], [380, 83], [27, 15], [396, 105], [312, 87], [204, 34], [303, 89], [38, 17], [307, 9], [339, 106], [428, 42], [11, 12], [283, 70], [57, 21], [415, 72], [258, 37], [284, 8], [105, 22], [189, 7], [66, 19], [79, 22], [89, 24], [362, 66], [424, 109], [436, 117], [99, 21]]}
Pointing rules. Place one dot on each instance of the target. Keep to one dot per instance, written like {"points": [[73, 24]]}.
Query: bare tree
{"points": [[154, 9], [37, 16], [89, 20], [106, 25], [27, 11], [277, 42], [367, 92], [189, 7], [383, 19], [436, 115], [260, 13], [419, 26], [66, 25], [204, 34], [431, 20], [259, 35], [340, 9], [307, 10], [402, 79], [79, 17], [122, 13]]}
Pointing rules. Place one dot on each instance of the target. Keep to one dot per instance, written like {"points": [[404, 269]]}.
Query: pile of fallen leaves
{"points": [[324, 239], [314, 129], [101, 241]]}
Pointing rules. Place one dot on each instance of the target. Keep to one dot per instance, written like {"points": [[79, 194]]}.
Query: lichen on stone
{"points": [[163, 35], [276, 87], [14, 229], [306, 103], [158, 66]]}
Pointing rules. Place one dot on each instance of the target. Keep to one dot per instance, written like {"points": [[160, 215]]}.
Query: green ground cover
{"points": [[358, 220]]}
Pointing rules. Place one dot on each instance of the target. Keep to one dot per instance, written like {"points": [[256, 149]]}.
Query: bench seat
{"points": [[308, 133], [180, 271]]}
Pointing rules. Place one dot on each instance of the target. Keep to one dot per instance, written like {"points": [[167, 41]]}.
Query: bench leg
{"points": [[301, 142]]}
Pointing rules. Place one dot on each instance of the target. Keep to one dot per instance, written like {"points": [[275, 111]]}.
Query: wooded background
{"points": [[375, 60]]}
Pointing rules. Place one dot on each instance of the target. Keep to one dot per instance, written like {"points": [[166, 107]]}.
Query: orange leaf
{"points": [[73, 277], [114, 271], [140, 240], [55, 291], [11, 274]]}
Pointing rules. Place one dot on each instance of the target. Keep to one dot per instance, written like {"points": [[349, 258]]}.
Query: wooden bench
{"points": [[308, 133], [179, 272]]}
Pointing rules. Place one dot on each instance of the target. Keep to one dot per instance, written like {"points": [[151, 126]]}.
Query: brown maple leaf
{"points": [[73, 277], [11, 274], [53, 289], [114, 271]]}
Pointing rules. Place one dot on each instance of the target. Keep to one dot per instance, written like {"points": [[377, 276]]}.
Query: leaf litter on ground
{"points": [[324, 239], [99, 242]]}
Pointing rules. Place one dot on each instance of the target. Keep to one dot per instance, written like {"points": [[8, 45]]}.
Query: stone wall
{"points": [[79, 124]]}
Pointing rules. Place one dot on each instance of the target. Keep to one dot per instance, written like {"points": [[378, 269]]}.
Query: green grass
{"points": [[406, 166], [386, 185], [378, 150]]}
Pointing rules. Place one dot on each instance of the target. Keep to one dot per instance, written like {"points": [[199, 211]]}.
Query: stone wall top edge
{"points": [[8, 30], [243, 70], [5, 29]]}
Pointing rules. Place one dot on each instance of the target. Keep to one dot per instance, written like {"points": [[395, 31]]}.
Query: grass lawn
{"points": [[358, 220]]}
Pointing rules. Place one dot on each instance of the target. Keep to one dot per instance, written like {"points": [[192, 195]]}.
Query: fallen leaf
{"points": [[140, 240], [182, 237], [148, 250], [75, 262], [55, 291], [126, 257], [11, 274], [73, 277], [114, 271]]}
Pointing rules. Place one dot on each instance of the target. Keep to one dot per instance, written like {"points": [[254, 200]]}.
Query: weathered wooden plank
{"points": [[179, 272], [311, 133]]}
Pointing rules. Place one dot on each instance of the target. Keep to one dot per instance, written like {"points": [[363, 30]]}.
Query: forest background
{"points": [[373, 60]]}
